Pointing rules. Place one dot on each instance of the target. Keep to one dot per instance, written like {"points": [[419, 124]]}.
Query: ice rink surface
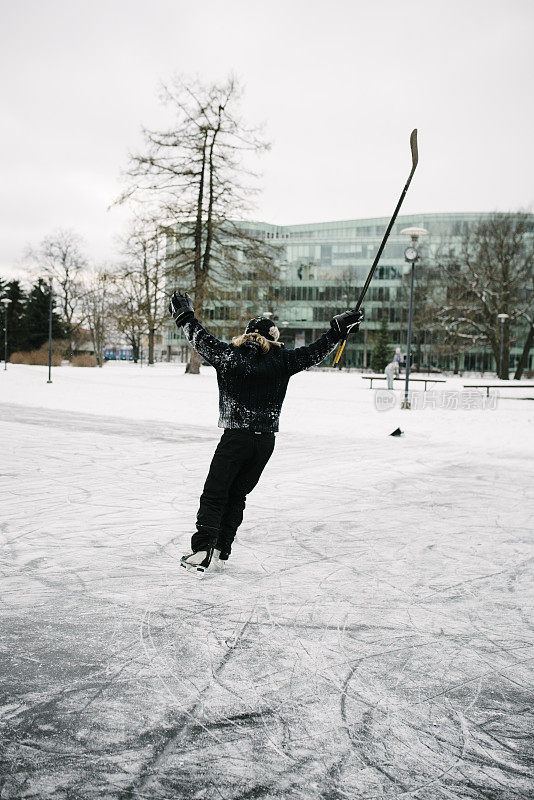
{"points": [[371, 637]]}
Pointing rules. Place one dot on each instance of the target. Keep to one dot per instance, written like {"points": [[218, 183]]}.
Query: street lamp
{"points": [[411, 255], [50, 333], [6, 301], [503, 318]]}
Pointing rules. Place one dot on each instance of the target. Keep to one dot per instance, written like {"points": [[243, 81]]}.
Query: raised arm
{"points": [[305, 357], [340, 326], [210, 348]]}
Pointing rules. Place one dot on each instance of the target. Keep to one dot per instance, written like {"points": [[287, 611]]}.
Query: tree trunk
{"points": [[456, 364], [99, 352], [524, 355], [200, 202], [211, 200], [195, 360], [70, 344], [193, 365], [151, 334], [135, 349]]}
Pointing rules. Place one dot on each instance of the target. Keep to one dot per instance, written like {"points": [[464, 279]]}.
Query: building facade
{"points": [[322, 269]]}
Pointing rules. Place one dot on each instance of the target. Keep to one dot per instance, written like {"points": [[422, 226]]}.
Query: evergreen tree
{"points": [[381, 351], [15, 312], [35, 318], [3, 293]]}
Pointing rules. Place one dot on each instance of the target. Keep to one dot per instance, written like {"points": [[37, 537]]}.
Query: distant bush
{"points": [[35, 357], [83, 361]]}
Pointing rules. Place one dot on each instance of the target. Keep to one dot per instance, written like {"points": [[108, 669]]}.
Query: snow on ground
{"points": [[370, 638]]}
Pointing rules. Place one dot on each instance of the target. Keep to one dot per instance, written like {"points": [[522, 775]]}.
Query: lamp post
{"points": [[6, 301], [50, 335], [503, 318], [411, 255]]}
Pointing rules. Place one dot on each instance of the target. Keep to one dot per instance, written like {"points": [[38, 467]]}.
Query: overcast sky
{"points": [[339, 85]]}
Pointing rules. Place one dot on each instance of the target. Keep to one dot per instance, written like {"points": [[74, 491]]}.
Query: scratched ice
{"points": [[370, 639]]}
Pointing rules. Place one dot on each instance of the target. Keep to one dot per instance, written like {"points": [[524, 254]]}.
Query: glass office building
{"points": [[322, 268]]}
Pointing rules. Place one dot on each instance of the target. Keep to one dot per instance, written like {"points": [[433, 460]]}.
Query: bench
{"points": [[402, 378], [488, 386]]}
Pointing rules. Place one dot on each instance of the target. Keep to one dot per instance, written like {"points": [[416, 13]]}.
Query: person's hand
{"points": [[181, 308], [348, 322]]}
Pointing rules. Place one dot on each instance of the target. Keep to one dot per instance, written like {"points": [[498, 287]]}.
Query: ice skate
{"points": [[197, 563], [219, 560]]}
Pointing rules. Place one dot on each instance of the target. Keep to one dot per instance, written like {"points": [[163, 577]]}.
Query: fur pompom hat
{"points": [[265, 327]]}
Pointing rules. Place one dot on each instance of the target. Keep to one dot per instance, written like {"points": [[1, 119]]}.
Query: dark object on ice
{"points": [[397, 432]]}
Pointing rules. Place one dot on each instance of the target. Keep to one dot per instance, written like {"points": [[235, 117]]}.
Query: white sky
{"points": [[339, 85]]}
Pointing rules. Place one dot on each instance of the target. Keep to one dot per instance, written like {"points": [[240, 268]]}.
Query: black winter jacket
{"points": [[253, 384]]}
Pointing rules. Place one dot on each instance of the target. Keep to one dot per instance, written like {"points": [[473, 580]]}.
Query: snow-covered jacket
{"points": [[253, 384]]}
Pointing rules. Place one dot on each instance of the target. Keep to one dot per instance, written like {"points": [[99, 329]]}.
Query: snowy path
{"points": [[371, 638]]}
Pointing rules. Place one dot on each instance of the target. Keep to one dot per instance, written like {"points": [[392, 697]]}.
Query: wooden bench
{"points": [[488, 386], [402, 378]]}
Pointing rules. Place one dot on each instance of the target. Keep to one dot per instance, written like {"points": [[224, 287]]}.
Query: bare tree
{"points": [[97, 303], [491, 274], [428, 333], [195, 179], [127, 308], [144, 276], [60, 257]]}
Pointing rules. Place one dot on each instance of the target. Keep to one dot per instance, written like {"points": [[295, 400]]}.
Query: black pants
{"points": [[235, 470]]}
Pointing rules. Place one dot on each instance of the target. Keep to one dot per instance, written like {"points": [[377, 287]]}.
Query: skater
{"points": [[252, 373], [392, 370]]}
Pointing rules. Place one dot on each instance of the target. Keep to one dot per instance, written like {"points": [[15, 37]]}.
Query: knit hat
{"points": [[265, 327]]}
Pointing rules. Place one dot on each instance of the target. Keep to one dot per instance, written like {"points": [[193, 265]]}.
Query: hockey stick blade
{"points": [[415, 161], [415, 152]]}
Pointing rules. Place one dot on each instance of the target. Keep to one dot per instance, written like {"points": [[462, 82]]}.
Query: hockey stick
{"points": [[415, 159]]}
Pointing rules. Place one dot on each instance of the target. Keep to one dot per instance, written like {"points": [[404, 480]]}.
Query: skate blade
{"points": [[194, 569]]}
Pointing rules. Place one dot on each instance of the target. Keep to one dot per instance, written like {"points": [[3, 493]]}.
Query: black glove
{"points": [[348, 322], [181, 308]]}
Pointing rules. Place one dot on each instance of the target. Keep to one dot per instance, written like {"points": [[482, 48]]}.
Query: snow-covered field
{"points": [[371, 638]]}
